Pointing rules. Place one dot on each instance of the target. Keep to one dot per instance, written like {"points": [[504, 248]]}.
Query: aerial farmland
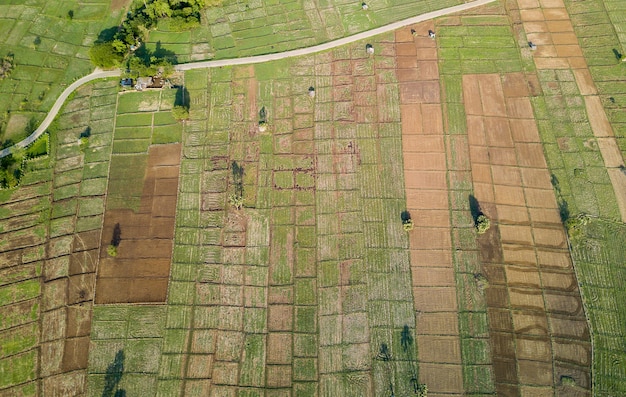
{"points": [[275, 198]]}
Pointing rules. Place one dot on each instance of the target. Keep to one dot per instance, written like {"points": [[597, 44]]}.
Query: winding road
{"points": [[99, 74]]}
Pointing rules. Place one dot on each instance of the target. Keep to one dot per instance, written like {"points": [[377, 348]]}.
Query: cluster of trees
{"points": [[12, 167], [111, 51]]}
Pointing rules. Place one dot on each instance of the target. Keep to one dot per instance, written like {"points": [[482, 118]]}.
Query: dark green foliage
{"points": [[562, 203], [12, 167], [104, 55], [180, 113], [150, 65], [113, 376], [122, 41]]}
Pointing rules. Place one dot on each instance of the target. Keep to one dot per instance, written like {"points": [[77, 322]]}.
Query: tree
{"points": [[119, 46], [482, 224], [158, 9], [180, 113], [105, 56]]}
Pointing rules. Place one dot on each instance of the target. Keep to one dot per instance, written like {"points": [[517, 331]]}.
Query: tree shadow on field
{"points": [[474, 208], [113, 376], [563, 205], [117, 235], [106, 34], [149, 56], [182, 97]]}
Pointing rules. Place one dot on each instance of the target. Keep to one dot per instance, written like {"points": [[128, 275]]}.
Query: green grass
{"points": [[134, 120], [44, 69], [138, 332], [18, 369], [126, 181], [18, 340], [167, 134]]}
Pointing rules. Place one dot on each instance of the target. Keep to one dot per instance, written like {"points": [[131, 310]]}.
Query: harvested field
{"points": [[140, 269], [426, 191]]}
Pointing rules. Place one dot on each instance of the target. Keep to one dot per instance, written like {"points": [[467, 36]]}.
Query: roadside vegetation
{"points": [[124, 43]]}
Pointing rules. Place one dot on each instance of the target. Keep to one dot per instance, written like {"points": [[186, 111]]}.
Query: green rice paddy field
{"points": [[306, 290]]}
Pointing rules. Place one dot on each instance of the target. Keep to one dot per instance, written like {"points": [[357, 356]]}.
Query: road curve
{"points": [[98, 74], [332, 44]]}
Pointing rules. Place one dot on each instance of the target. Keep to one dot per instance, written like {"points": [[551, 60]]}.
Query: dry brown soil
{"points": [[532, 286], [140, 271], [425, 171]]}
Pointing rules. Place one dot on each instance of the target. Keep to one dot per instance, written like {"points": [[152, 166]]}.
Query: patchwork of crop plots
{"points": [[599, 258], [550, 27], [599, 26], [50, 51], [52, 233], [321, 305], [258, 27], [312, 287]]}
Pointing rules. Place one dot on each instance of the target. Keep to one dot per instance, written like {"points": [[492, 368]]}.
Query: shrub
{"points": [[407, 222], [574, 225], [180, 113], [84, 143], [6, 66], [112, 250], [482, 224], [235, 200]]}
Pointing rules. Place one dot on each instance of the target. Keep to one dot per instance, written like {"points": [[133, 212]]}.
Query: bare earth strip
{"points": [[547, 24], [537, 323], [424, 156]]}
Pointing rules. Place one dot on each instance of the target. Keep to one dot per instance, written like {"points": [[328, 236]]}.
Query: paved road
{"points": [[98, 74], [334, 43]]}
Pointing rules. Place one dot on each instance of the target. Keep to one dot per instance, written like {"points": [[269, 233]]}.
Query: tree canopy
{"points": [[105, 55]]}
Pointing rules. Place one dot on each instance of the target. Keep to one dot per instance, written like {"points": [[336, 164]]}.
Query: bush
{"points": [[180, 113], [6, 66], [482, 224], [105, 56], [407, 222], [112, 250], [236, 201], [574, 225]]}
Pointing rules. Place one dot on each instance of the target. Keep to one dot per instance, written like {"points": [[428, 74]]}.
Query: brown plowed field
{"points": [[525, 255], [140, 271], [426, 187]]}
